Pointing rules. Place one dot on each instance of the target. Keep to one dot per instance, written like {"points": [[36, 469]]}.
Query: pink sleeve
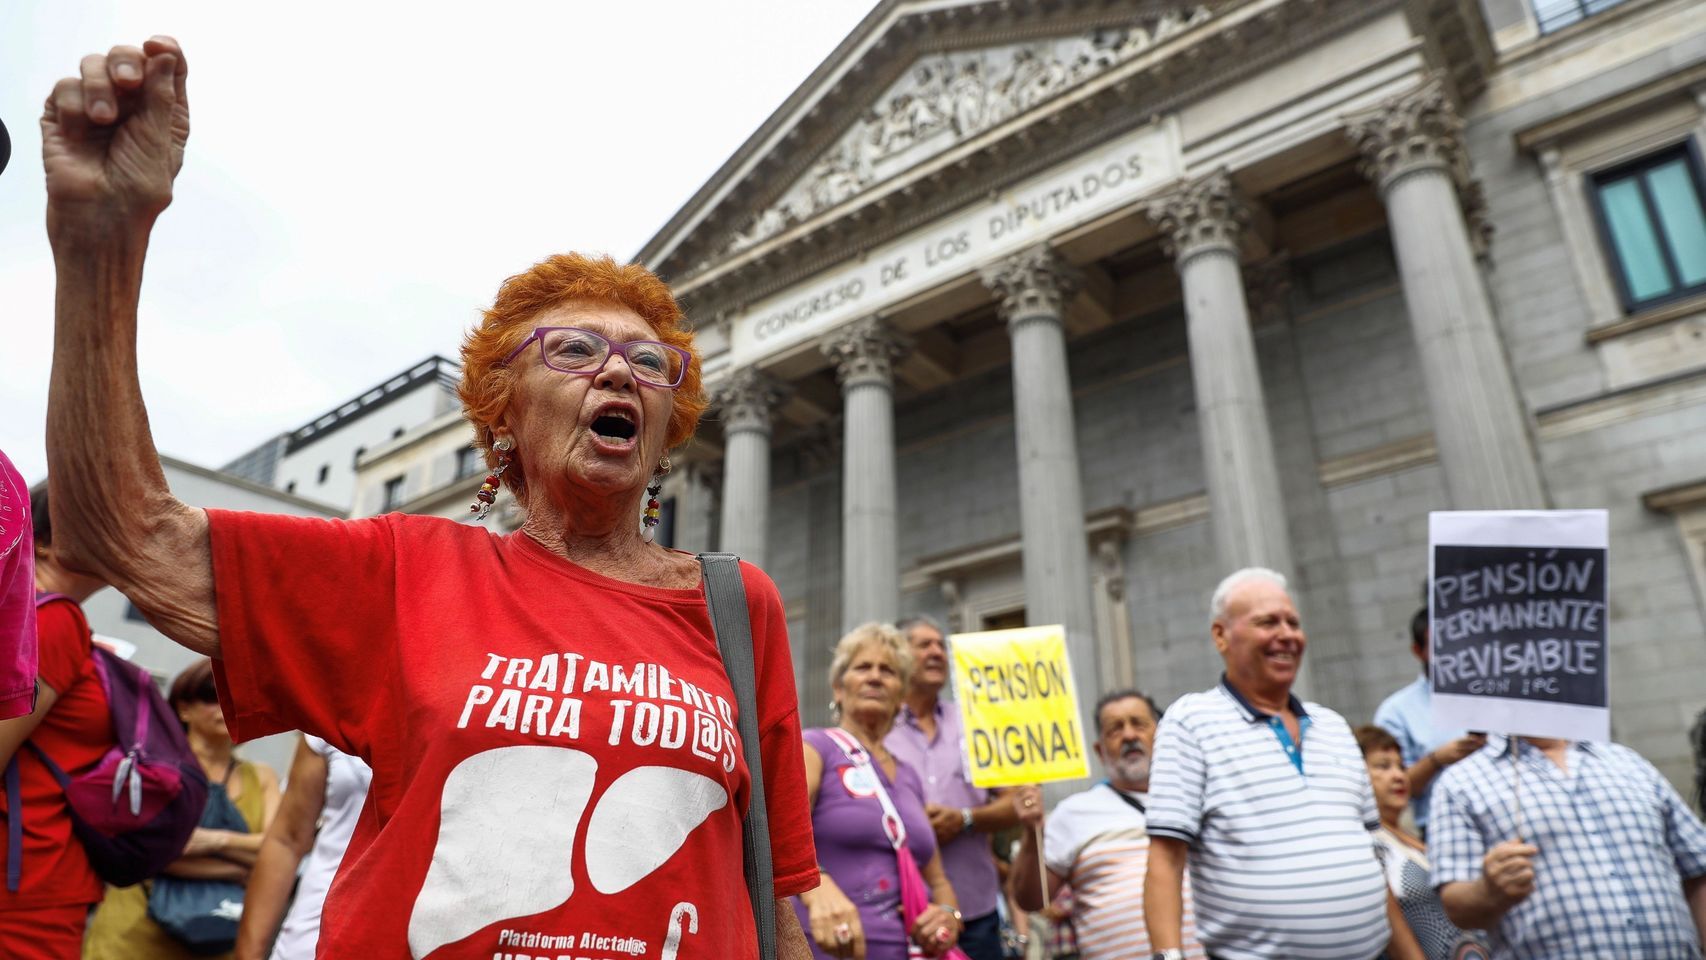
{"points": [[17, 596]]}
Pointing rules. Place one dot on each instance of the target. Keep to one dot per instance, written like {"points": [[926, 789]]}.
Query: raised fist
{"points": [[113, 138]]}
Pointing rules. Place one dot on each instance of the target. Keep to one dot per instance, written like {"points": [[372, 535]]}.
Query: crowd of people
{"points": [[532, 745]]}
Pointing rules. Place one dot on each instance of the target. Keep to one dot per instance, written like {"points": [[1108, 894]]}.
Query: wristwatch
{"points": [[1171, 953], [965, 819]]}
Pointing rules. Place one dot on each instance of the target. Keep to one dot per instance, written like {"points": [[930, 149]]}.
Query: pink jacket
{"points": [[17, 596]]}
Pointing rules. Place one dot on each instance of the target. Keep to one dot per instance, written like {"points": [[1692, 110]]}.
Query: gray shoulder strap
{"points": [[725, 595]]}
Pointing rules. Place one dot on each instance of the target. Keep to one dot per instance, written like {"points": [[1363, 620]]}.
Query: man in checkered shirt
{"points": [[1606, 862]]}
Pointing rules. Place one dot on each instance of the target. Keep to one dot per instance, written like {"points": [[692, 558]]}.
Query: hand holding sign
{"points": [[1028, 804], [1452, 751]]}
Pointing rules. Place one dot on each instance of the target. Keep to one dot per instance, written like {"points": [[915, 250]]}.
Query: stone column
{"points": [[1032, 288], [1202, 222], [864, 353], [746, 400], [1413, 149]]}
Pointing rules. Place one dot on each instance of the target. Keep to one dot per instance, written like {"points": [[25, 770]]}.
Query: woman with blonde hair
{"points": [[868, 818]]}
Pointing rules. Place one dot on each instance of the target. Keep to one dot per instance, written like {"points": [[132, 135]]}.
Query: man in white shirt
{"points": [[1097, 841]]}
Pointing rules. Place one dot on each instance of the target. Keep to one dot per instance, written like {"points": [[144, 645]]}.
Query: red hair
{"points": [[487, 383]]}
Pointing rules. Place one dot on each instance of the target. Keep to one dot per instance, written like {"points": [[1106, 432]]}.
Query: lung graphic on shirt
{"points": [[507, 828]]}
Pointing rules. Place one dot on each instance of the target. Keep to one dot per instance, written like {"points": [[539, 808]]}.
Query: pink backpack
{"points": [[135, 809]]}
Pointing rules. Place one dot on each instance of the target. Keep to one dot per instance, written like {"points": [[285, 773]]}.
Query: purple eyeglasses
{"points": [[584, 353]]}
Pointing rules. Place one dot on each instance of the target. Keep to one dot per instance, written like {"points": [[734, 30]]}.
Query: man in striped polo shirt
{"points": [[1097, 841], [1268, 801]]}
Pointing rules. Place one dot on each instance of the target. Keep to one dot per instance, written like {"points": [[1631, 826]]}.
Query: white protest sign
{"points": [[1517, 607]]}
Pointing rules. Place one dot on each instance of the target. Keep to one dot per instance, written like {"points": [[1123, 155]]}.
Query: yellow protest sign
{"points": [[1018, 706]]}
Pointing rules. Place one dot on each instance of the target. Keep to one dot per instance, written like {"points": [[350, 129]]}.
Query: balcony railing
{"points": [[1558, 14]]}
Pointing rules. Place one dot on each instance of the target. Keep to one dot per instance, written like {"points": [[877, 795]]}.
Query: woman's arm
{"points": [[939, 926], [206, 868], [245, 847], [15, 731], [287, 840], [112, 143], [814, 774]]}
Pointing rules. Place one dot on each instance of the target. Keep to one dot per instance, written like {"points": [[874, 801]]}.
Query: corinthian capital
{"points": [[864, 351], [746, 399], [1416, 131], [1033, 283], [1203, 215]]}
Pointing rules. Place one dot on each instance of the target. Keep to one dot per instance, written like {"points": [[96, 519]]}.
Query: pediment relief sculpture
{"points": [[947, 98]]}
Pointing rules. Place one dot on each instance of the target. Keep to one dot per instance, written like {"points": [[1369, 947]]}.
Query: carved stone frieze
{"points": [[1033, 283], [747, 399], [1480, 222], [1203, 215], [1267, 289], [864, 352], [819, 447], [949, 98], [1410, 133]]}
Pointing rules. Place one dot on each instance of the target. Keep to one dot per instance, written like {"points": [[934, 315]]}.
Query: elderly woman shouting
{"points": [[868, 818], [552, 734]]}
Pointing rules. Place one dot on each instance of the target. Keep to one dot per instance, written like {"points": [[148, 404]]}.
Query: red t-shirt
{"points": [[556, 767], [76, 733]]}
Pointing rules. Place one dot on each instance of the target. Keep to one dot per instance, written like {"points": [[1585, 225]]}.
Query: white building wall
{"points": [[335, 452]]}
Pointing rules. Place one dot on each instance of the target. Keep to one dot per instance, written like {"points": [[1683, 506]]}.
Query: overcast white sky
{"points": [[360, 178]]}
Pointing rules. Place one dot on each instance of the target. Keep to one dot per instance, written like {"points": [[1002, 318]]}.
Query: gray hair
{"points": [[905, 625], [1223, 593], [867, 633]]}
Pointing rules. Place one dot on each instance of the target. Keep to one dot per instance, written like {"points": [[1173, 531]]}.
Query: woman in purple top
{"points": [[856, 911]]}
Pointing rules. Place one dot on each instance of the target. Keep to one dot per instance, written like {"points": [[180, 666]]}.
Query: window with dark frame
{"points": [[1652, 225], [393, 494], [467, 462], [325, 471], [1553, 15]]}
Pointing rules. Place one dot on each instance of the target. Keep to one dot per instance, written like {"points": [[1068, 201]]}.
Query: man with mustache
{"points": [[927, 737], [1098, 841], [1268, 800]]}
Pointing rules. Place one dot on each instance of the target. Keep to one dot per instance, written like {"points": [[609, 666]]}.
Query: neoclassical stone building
{"points": [[1057, 311]]}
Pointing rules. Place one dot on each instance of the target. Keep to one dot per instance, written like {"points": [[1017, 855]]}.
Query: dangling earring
{"points": [[489, 489], [649, 520]]}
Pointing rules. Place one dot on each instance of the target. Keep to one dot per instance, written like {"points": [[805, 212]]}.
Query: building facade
{"points": [[1056, 312], [321, 459]]}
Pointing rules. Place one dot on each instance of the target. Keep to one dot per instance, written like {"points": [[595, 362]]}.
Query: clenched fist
{"points": [[1509, 871], [113, 138]]}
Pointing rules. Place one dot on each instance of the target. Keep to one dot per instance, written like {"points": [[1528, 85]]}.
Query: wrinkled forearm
{"points": [[268, 892], [206, 868], [790, 939], [1028, 892], [1695, 890], [1472, 904], [113, 515], [1422, 772], [1163, 893]]}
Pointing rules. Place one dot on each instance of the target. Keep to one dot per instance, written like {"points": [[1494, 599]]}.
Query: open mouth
{"points": [[616, 426]]}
